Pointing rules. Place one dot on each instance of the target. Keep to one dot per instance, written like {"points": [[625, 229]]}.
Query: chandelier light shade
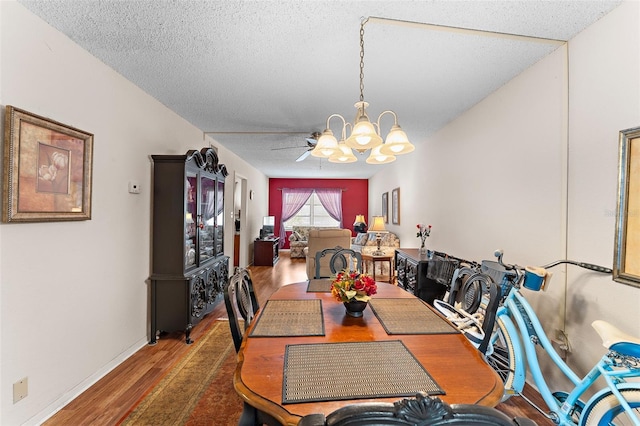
{"points": [[396, 142], [327, 145], [365, 135], [343, 154], [377, 157]]}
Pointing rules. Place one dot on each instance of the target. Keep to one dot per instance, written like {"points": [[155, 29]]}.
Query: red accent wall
{"points": [[355, 198]]}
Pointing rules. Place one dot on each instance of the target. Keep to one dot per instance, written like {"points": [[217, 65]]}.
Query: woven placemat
{"points": [[319, 285], [290, 318], [409, 316], [353, 370]]}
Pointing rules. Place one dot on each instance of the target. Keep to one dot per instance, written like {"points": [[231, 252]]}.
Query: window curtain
{"points": [[331, 200], [292, 201]]}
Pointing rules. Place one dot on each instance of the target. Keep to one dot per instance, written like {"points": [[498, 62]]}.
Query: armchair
{"points": [[320, 239]]}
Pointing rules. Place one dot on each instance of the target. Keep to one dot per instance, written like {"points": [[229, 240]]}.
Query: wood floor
{"points": [[106, 402]]}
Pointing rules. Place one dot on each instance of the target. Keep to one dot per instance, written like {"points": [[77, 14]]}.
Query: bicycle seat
{"points": [[617, 340]]}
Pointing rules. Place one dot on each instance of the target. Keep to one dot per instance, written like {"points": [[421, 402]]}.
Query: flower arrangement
{"points": [[350, 286], [423, 232]]}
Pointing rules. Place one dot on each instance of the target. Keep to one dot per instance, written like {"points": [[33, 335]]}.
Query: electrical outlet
{"points": [[20, 389], [134, 187]]}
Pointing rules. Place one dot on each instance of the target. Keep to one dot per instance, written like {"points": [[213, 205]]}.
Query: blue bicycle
{"points": [[512, 348]]}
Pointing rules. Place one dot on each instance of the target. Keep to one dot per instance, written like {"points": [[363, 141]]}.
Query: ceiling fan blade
{"points": [[287, 147], [304, 155], [313, 139]]}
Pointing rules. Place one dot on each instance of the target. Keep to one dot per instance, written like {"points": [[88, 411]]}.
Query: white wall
{"points": [[73, 296], [527, 172]]}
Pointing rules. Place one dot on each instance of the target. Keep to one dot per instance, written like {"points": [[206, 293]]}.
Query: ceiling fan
{"points": [[311, 141]]}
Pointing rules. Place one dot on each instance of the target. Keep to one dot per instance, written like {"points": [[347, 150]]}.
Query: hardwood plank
{"points": [[112, 397]]}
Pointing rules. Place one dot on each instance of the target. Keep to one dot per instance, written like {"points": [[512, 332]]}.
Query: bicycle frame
{"points": [[524, 338]]}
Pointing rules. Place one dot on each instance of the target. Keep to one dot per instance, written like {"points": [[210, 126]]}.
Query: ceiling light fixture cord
{"points": [[362, 22]]}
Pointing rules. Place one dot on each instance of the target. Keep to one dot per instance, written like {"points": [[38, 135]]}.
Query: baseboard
{"points": [[73, 393]]}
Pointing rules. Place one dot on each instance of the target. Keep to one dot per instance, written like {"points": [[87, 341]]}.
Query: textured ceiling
{"points": [[271, 72]]}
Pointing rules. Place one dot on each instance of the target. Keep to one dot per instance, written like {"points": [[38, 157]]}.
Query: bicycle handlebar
{"points": [[590, 266]]}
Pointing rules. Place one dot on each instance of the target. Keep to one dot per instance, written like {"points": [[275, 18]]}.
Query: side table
{"points": [[369, 258]]}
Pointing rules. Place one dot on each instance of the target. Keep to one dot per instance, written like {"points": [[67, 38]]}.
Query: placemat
{"points": [[319, 285], [409, 316], [353, 370], [290, 318]]}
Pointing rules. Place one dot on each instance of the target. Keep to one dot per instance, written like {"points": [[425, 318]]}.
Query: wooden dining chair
{"points": [[241, 303], [421, 410], [341, 259]]}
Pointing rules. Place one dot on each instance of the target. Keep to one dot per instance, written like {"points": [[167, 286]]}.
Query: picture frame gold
{"points": [[47, 169], [395, 206], [626, 263], [385, 207]]}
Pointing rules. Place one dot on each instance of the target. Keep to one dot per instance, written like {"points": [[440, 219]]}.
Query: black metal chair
{"points": [[241, 303], [341, 259], [421, 410]]}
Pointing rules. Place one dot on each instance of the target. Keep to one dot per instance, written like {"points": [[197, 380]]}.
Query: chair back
{"points": [[341, 259], [421, 410], [241, 303]]}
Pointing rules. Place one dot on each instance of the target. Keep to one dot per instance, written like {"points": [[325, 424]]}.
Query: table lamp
{"points": [[378, 228], [359, 225]]}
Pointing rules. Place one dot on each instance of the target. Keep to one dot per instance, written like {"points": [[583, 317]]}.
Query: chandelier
{"points": [[365, 135]]}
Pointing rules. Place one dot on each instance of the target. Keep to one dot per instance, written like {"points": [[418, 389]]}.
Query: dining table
{"points": [[303, 354]]}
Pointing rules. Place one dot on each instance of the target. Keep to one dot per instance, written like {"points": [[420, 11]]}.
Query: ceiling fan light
{"points": [[377, 157], [326, 146], [396, 142]]}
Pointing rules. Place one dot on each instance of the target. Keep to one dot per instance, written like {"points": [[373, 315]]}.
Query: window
{"points": [[312, 214]]}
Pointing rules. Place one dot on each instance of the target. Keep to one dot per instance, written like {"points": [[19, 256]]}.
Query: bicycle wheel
{"points": [[501, 358], [607, 410]]}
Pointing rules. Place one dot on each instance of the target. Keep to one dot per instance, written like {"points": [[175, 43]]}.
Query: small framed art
{"points": [[385, 207], [395, 206]]}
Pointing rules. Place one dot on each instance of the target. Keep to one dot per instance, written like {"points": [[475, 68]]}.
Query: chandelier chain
{"points": [[362, 22]]}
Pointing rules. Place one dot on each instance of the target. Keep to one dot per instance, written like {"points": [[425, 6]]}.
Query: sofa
{"points": [[320, 239], [298, 240], [365, 243]]}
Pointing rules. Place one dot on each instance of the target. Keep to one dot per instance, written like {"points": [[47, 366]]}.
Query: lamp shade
{"points": [[378, 224], [359, 225]]}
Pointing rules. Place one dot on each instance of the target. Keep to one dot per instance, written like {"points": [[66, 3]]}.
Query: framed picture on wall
{"points": [[395, 206], [385, 207], [626, 262], [47, 170]]}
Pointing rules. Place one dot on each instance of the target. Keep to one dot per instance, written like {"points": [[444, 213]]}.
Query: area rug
{"points": [[197, 390]]}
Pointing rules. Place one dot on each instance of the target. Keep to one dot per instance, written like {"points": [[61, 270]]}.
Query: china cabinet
{"points": [[189, 268]]}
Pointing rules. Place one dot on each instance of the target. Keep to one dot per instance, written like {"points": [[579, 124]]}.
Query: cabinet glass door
{"points": [[208, 217], [191, 220], [220, 218]]}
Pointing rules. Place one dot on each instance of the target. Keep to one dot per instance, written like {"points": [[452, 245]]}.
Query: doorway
{"points": [[239, 218]]}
